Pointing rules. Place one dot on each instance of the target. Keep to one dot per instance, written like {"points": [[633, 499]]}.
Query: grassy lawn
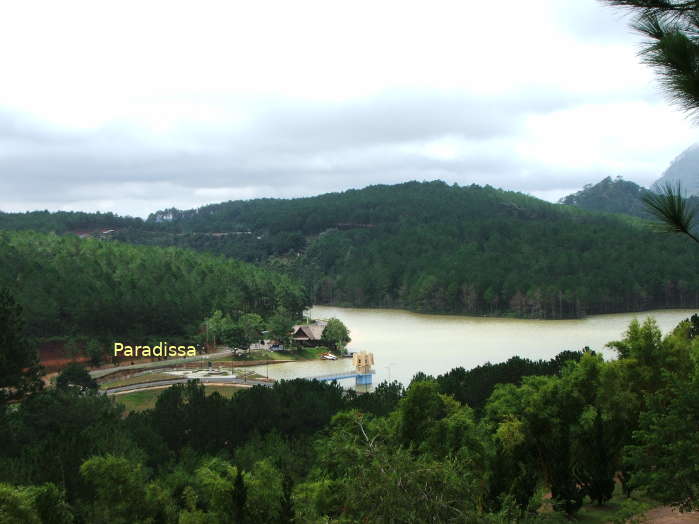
{"points": [[142, 400], [145, 377]]}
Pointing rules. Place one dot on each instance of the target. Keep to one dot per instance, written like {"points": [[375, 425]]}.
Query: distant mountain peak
{"points": [[683, 169], [610, 195]]}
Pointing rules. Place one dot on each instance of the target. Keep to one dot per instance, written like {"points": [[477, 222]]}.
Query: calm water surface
{"points": [[404, 343]]}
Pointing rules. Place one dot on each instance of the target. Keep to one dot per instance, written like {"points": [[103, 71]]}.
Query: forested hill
{"points": [[65, 221], [68, 285], [610, 196], [615, 196], [437, 248]]}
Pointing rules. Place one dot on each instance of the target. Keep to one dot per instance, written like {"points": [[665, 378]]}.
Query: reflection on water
{"points": [[404, 343]]}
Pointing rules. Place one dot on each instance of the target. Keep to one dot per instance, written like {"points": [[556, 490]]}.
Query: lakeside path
{"points": [[227, 381], [103, 372]]}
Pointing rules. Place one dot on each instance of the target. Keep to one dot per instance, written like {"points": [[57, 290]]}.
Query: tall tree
{"points": [[20, 372], [75, 374], [336, 333]]}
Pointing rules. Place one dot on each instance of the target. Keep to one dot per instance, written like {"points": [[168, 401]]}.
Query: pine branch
{"points": [[672, 211]]}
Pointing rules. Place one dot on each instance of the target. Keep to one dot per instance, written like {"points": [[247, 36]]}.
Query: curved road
{"points": [[99, 373], [203, 380]]}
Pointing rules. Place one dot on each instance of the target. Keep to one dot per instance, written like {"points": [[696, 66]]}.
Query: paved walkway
{"points": [[98, 373], [203, 380]]}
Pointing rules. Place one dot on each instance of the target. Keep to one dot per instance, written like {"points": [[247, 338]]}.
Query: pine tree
{"points": [[287, 503], [20, 372], [240, 498], [672, 49]]}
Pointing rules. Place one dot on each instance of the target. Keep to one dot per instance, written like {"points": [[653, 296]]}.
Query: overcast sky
{"points": [[137, 106]]}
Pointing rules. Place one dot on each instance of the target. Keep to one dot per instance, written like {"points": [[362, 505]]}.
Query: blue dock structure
{"points": [[361, 378], [362, 373]]}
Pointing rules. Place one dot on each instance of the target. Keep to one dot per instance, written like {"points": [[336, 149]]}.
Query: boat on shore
{"points": [[328, 356]]}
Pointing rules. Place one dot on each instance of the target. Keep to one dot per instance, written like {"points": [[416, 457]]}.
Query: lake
{"points": [[404, 343]]}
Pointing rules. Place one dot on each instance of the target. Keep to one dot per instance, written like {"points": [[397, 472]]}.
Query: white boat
{"points": [[328, 356]]}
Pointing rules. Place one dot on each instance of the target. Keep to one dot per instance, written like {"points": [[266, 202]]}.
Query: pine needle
{"points": [[672, 210]]}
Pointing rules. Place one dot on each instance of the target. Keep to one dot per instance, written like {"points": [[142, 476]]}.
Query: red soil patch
{"points": [[53, 356]]}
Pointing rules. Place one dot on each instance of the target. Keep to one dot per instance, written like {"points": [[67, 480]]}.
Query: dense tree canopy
{"points": [[307, 451], [438, 248], [19, 365], [68, 285]]}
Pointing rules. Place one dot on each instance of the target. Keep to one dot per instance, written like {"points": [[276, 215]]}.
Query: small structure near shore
{"points": [[363, 361], [309, 335]]}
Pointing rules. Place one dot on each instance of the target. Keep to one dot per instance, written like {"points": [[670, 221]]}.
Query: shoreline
{"points": [[499, 317]]}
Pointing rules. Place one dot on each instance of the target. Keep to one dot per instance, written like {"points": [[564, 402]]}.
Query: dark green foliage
{"points": [[280, 325], [19, 366], [694, 326], [287, 503], [610, 196], [473, 387], [75, 375], [67, 285], [665, 452], [50, 504], [436, 248], [66, 221], [185, 417], [240, 495], [418, 411], [54, 432], [596, 475], [380, 402], [305, 451], [95, 352], [114, 490]]}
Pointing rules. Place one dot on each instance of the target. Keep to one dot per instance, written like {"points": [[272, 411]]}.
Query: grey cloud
{"points": [[289, 148]]}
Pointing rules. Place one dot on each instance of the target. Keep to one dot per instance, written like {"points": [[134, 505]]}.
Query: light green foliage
{"points": [[336, 333], [314, 500], [240, 333], [43, 504], [250, 326], [214, 480], [16, 506], [117, 489], [630, 511], [374, 480], [646, 359], [219, 328], [265, 492], [280, 324], [422, 406]]}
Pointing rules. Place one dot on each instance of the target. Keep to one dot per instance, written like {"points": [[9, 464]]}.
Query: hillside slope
{"points": [[432, 247], [68, 285], [683, 169], [610, 196]]}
